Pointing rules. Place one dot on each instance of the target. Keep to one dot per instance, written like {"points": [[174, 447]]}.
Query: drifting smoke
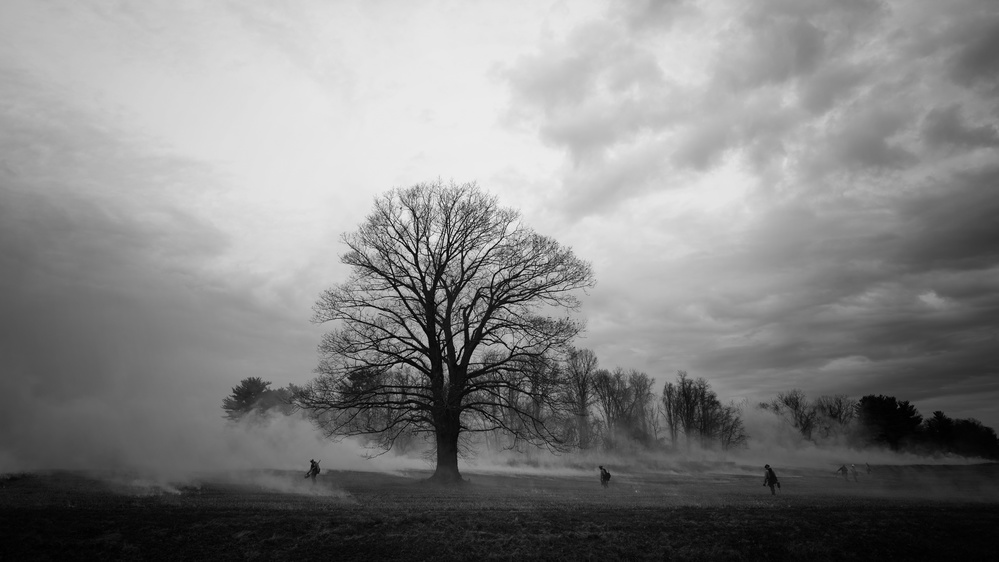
{"points": [[252, 481], [123, 325], [772, 441], [194, 446]]}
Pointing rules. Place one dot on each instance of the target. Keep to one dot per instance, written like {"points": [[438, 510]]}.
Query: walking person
{"points": [[770, 479], [604, 477], [313, 470], [845, 472]]}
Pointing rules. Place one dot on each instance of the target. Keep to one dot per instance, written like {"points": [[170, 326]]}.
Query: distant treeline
{"points": [[593, 407], [878, 420], [611, 409]]}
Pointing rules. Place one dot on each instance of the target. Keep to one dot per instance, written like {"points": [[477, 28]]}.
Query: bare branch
{"points": [[444, 321]]}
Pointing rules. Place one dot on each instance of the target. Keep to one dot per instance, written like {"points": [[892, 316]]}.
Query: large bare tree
{"points": [[450, 303]]}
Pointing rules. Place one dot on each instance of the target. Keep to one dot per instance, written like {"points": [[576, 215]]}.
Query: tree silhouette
{"points": [[834, 413], [973, 439], [449, 301], [244, 397], [581, 368], [962, 437], [626, 403], [689, 406], [887, 420], [939, 431], [794, 408]]}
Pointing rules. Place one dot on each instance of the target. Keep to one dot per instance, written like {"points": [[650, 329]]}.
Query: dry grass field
{"points": [[897, 513]]}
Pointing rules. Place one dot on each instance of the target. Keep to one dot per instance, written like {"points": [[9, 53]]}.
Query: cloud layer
{"points": [[819, 179], [774, 194], [118, 335]]}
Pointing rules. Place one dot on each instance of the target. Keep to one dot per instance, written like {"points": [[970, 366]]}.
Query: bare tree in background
{"points": [[542, 394], [642, 410], [449, 300], [669, 406], [610, 390], [838, 408], [688, 395], [794, 408], [690, 407], [581, 367], [834, 414], [626, 402], [730, 432]]}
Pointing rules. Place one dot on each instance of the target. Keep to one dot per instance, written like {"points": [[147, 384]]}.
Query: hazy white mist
{"points": [[773, 195]]}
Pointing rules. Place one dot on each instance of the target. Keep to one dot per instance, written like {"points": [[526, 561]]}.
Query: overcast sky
{"points": [[774, 194]]}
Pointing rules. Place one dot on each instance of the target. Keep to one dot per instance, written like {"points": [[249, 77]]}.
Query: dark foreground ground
{"points": [[897, 513]]}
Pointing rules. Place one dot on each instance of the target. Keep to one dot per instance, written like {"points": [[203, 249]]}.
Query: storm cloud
{"points": [[855, 257], [773, 195]]}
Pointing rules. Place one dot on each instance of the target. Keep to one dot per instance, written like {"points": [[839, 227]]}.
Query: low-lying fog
{"points": [[252, 451]]}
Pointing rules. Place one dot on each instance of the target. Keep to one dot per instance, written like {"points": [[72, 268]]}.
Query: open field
{"points": [[900, 512]]}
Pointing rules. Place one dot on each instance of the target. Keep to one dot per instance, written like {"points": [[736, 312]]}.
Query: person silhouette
{"points": [[845, 471], [313, 470], [770, 479], [604, 477]]}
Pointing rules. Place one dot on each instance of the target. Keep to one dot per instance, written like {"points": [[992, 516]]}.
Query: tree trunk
{"points": [[446, 432], [583, 431]]}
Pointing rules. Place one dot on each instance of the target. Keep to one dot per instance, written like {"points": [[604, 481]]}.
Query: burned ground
{"points": [[913, 512]]}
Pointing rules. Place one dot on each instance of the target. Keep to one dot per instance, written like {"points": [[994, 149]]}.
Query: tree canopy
{"points": [[888, 420], [440, 327], [254, 395]]}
